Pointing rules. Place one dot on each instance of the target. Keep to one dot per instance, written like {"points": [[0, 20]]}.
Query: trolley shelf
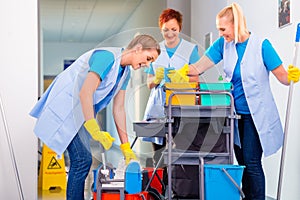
{"points": [[149, 129], [198, 111], [196, 114], [193, 158]]}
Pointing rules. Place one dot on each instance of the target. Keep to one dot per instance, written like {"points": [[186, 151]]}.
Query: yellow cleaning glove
{"points": [[159, 75], [293, 74], [180, 75], [101, 136], [127, 152]]}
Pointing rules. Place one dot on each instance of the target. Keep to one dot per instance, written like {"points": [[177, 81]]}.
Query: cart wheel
{"points": [[154, 194]]}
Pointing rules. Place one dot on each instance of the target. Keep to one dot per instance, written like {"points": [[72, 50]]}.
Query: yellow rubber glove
{"points": [[127, 152], [180, 75], [159, 75], [101, 136], [293, 74]]}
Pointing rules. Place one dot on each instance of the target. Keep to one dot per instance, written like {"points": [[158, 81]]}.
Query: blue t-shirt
{"points": [[101, 63], [193, 58], [270, 58]]}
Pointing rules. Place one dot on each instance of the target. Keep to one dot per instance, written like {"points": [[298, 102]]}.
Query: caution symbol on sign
{"points": [[52, 170], [54, 164]]}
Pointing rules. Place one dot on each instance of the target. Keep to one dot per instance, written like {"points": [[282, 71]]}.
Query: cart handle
{"points": [[234, 183]]}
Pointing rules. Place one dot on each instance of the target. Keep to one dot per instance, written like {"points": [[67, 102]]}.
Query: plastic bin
{"points": [[215, 99], [181, 99], [217, 185], [156, 182], [133, 178], [116, 196]]}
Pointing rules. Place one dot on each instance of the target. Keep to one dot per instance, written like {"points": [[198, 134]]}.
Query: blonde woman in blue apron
{"points": [[66, 111], [248, 60]]}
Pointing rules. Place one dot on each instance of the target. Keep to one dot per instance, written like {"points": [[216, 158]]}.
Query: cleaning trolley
{"points": [[194, 104]]}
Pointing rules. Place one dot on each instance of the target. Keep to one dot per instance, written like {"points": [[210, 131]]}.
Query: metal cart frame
{"points": [[195, 111]]}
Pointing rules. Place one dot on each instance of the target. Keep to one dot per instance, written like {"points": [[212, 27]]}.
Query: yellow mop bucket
{"points": [[181, 99]]}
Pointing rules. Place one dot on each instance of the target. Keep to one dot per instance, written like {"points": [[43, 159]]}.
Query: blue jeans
{"points": [[80, 164], [250, 155]]}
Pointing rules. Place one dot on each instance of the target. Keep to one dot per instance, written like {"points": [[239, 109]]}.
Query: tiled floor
{"points": [[56, 194]]}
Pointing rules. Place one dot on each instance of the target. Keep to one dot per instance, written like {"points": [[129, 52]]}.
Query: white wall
{"points": [[184, 7], [19, 91], [203, 15], [55, 54], [262, 18]]}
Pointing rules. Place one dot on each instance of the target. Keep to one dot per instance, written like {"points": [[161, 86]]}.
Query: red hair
{"points": [[169, 14]]}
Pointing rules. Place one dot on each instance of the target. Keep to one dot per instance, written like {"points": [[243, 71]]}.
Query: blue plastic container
{"points": [[215, 99], [218, 186], [133, 178]]}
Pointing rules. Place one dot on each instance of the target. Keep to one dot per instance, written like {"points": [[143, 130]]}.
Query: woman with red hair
{"points": [[175, 53]]}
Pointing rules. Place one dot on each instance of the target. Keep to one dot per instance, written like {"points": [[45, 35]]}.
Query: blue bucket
{"points": [[133, 178], [218, 182], [215, 99]]}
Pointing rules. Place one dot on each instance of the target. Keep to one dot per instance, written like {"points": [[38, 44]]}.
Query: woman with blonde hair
{"points": [[248, 59], [66, 111]]}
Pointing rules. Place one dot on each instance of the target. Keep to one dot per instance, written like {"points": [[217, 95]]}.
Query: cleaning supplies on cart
{"points": [[216, 98]]}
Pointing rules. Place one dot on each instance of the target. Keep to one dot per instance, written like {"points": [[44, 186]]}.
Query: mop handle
{"points": [[103, 158], [287, 118], [298, 33], [12, 154]]}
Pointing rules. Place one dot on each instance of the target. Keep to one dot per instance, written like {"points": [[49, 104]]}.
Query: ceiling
{"points": [[84, 21]]}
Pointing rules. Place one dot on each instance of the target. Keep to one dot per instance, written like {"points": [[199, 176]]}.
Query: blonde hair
{"points": [[235, 14], [147, 42]]}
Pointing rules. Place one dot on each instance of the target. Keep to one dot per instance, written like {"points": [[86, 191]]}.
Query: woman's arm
{"points": [[86, 94], [120, 115], [200, 66], [281, 74]]}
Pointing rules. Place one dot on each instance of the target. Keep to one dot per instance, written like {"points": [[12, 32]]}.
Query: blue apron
{"points": [[258, 93], [59, 112]]}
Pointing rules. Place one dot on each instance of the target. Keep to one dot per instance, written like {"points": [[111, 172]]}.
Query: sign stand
{"points": [[52, 170]]}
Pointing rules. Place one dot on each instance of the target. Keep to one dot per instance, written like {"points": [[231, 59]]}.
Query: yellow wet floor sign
{"points": [[52, 170]]}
